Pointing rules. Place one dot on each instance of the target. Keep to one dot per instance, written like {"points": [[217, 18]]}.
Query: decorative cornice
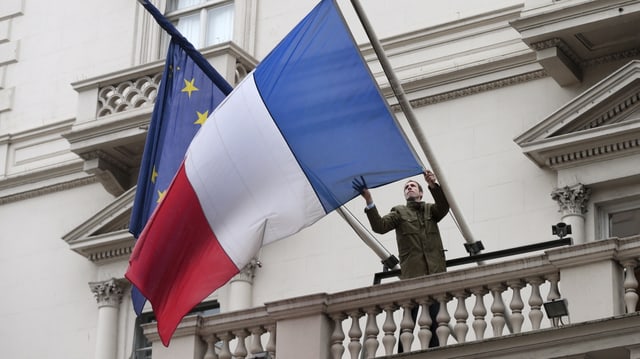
{"points": [[627, 54], [109, 293], [582, 63], [593, 152], [58, 187], [110, 254], [572, 200], [105, 156], [115, 245], [472, 90], [560, 44]]}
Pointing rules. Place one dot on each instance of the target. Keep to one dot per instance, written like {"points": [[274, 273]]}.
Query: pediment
{"points": [[601, 123], [105, 236]]}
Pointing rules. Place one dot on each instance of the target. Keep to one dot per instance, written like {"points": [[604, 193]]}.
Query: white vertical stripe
{"points": [[248, 182]]}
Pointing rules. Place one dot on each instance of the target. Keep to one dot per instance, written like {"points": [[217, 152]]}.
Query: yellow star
{"points": [[189, 87], [161, 195], [154, 175], [202, 118]]}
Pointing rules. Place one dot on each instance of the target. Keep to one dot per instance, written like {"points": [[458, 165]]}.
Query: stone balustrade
{"points": [[495, 300]]}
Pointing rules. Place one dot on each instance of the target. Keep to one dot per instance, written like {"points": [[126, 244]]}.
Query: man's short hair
{"points": [[416, 182]]}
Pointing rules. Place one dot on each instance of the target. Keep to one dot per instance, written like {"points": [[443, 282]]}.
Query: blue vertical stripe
{"points": [[330, 111]]}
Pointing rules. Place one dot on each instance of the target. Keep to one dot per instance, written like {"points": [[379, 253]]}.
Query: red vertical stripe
{"points": [[177, 260]]}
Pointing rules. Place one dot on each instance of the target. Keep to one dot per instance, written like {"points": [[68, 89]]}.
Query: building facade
{"points": [[530, 110]]}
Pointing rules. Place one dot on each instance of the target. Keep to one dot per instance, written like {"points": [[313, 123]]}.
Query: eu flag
{"points": [[189, 91]]}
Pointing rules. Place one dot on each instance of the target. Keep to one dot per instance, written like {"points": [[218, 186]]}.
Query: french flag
{"points": [[279, 153]]}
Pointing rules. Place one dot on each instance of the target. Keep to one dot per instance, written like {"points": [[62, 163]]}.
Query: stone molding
{"points": [[472, 90], [598, 151], [582, 63], [105, 236], [599, 124], [41, 191]]}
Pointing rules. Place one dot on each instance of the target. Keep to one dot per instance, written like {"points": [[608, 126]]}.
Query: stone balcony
{"points": [[493, 310], [114, 112]]}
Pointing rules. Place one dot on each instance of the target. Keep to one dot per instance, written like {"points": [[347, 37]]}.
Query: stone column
{"points": [[241, 287], [109, 296], [573, 205]]}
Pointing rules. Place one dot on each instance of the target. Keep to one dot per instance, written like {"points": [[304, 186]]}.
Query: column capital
{"points": [[109, 292], [572, 199], [248, 272]]}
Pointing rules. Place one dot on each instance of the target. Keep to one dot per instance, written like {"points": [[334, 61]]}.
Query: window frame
{"points": [[202, 10], [605, 209]]}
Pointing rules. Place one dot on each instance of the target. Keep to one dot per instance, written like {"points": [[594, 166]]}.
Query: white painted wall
{"points": [[47, 307], [59, 43]]}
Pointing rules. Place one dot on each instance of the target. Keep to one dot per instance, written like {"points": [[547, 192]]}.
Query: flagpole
{"points": [[408, 112], [388, 259]]}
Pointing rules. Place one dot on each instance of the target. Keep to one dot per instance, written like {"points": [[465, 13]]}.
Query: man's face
{"points": [[412, 191]]}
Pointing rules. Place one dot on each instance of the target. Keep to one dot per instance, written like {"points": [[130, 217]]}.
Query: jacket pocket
{"points": [[409, 226]]}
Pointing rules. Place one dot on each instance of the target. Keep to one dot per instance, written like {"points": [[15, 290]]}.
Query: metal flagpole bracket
{"points": [[391, 262], [474, 248]]}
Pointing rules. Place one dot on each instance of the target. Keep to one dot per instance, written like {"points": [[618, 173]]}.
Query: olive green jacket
{"points": [[416, 224]]}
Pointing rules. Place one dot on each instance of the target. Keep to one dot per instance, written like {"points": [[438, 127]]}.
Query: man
{"points": [[416, 224], [417, 234]]}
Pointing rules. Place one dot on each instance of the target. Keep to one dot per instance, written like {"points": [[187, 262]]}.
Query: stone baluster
{"points": [[389, 328], [337, 337], [255, 346], [211, 347], [554, 293], [371, 332], [241, 347], [461, 315], [535, 302], [630, 285], [406, 326], [355, 333], [271, 343], [479, 311], [443, 331], [425, 321], [497, 309], [516, 306], [225, 351]]}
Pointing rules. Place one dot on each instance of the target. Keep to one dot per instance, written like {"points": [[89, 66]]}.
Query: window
{"points": [[142, 346], [624, 223], [203, 23], [620, 218]]}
